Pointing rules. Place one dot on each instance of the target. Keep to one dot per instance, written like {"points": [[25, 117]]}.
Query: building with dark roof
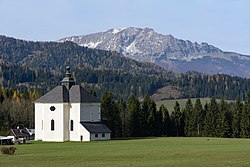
{"points": [[5, 140], [69, 113], [21, 135]]}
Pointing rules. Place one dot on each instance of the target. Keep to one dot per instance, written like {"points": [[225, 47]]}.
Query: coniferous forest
{"points": [[214, 119]]}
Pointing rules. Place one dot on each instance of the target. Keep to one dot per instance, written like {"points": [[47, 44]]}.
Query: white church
{"points": [[69, 113]]}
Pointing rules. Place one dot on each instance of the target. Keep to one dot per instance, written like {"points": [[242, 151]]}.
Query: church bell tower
{"points": [[68, 80]]}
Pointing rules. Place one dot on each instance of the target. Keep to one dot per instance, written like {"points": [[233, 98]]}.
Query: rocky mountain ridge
{"points": [[146, 45]]}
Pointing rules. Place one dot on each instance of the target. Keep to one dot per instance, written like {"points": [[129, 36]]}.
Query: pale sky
{"points": [[222, 23]]}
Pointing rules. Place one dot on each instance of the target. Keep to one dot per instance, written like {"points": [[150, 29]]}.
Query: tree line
{"points": [[139, 119], [16, 109]]}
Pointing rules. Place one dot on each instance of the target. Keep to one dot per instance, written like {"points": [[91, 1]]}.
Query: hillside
{"points": [[53, 55], [174, 54], [103, 70], [41, 65]]}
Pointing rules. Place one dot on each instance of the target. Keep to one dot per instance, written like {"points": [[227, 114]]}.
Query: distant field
{"points": [[150, 152], [171, 103]]}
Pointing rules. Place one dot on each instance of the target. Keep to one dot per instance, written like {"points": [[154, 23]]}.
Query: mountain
{"points": [[40, 66], [174, 54]]}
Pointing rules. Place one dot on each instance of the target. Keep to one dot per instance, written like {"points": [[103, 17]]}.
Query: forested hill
{"points": [[103, 70], [54, 56], [41, 65]]}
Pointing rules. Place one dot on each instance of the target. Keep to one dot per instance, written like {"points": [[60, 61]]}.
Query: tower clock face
{"points": [[52, 108]]}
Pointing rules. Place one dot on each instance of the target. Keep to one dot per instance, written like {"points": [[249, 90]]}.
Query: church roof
{"points": [[61, 94], [96, 127], [78, 94]]}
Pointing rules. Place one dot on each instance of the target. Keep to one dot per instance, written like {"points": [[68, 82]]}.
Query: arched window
{"points": [[52, 123], [71, 125]]}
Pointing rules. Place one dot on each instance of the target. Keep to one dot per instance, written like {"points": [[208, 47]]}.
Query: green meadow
{"points": [[151, 152]]}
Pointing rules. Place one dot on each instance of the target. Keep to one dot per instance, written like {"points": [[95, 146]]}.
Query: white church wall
{"points": [[84, 134], [90, 112], [39, 121], [74, 115], [58, 133]]}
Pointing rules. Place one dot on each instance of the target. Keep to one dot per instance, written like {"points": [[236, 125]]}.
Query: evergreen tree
{"points": [[121, 105], [210, 118], [189, 119], [222, 125], [204, 129], [159, 123], [199, 114], [237, 117], [133, 109], [152, 119], [110, 114], [245, 122], [144, 114], [166, 121], [176, 117]]}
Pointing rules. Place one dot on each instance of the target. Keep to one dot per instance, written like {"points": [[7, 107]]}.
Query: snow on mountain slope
{"points": [[146, 45]]}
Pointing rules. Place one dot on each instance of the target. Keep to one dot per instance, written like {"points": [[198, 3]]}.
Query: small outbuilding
{"points": [[96, 131], [18, 136], [29, 132], [5, 140]]}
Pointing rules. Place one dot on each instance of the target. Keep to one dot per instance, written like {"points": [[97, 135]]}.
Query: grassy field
{"points": [[151, 152], [171, 103]]}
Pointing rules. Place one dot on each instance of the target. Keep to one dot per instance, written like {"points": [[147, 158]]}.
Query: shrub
{"points": [[4, 150], [8, 150]]}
